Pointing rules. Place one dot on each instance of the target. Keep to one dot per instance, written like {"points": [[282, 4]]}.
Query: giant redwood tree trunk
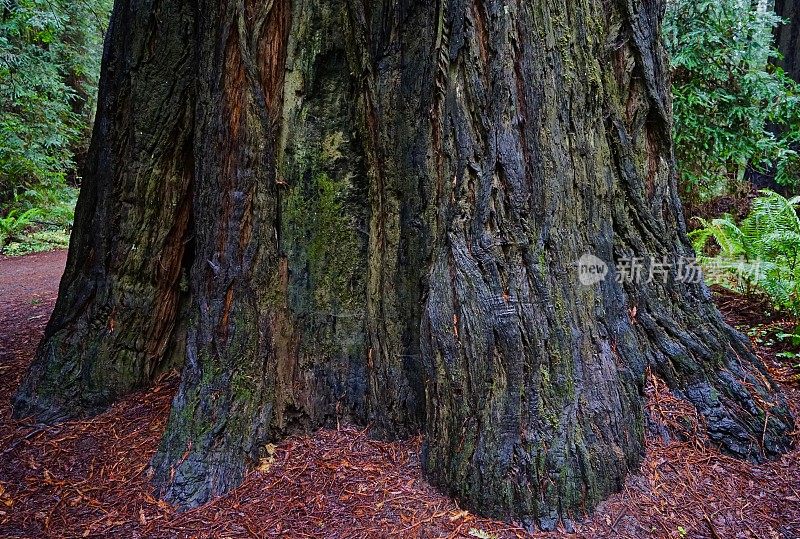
{"points": [[386, 203]]}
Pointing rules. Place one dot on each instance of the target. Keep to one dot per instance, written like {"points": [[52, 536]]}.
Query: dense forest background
{"points": [[50, 52]]}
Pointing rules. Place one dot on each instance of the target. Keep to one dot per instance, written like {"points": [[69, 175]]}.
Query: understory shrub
{"points": [[760, 253], [733, 108]]}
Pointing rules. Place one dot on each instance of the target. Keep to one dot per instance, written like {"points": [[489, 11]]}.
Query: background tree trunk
{"points": [[389, 202], [116, 324], [787, 37]]}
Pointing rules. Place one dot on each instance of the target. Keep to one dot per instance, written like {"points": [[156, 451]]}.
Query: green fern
{"points": [[725, 233], [15, 223], [763, 250]]}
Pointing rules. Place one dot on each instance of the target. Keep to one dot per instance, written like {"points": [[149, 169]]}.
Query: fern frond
{"points": [[763, 250]]}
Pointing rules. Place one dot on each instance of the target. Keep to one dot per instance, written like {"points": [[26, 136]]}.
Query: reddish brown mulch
{"points": [[89, 478], [28, 291]]}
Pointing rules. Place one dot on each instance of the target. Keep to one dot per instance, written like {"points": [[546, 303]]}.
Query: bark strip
{"points": [[224, 405]]}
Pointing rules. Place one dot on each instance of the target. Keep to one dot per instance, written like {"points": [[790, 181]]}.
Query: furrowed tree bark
{"points": [[389, 200], [229, 390], [116, 324], [325, 287], [559, 145]]}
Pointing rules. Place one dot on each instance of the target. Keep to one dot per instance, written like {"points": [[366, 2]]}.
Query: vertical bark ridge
{"points": [[115, 325], [530, 414], [225, 404], [395, 78], [335, 297], [321, 283]]}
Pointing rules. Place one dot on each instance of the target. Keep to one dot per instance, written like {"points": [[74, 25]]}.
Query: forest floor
{"points": [[89, 478]]}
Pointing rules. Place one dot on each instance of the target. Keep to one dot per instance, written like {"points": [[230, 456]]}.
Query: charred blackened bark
{"points": [[787, 36], [116, 323]]}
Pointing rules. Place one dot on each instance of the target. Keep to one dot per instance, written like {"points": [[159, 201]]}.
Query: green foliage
{"points": [[16, 222], [793, 341], [49, 67], [728, 99], [762, 251], [38, 242], [40, 219], [50, 54]]}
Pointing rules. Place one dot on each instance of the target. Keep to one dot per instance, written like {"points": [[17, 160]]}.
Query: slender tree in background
{"points": [[787, 36], [381, 205]]}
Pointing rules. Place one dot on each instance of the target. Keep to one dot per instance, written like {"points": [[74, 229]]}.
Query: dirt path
{"points": [[89, 478], [28, 291]]}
